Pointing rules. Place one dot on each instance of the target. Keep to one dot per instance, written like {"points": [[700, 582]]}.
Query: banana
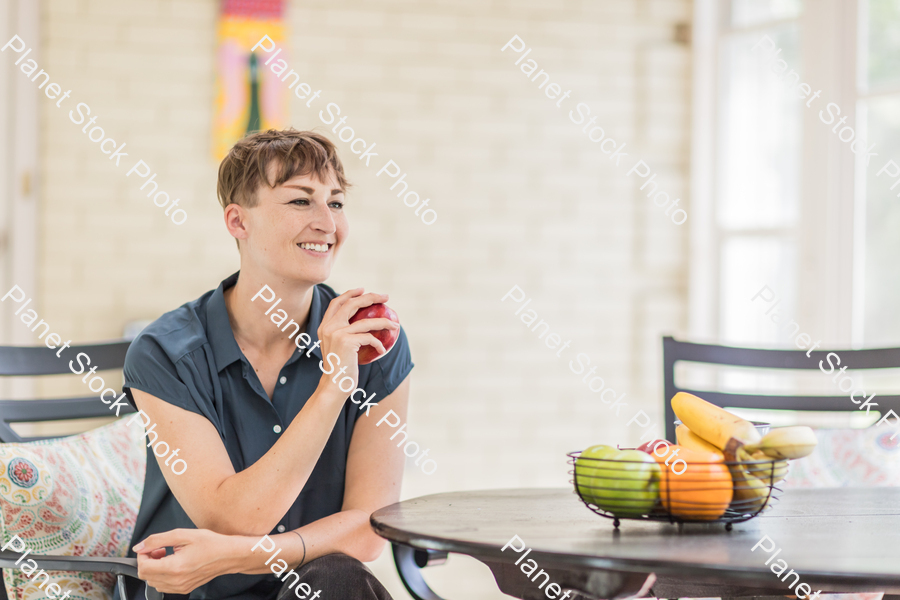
{"points": [[786, 442], [688, 439], [713, 424], [767, 472], [751, 494]]}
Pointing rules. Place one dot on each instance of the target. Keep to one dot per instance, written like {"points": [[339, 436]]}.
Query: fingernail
{"points": [[139, 547]]}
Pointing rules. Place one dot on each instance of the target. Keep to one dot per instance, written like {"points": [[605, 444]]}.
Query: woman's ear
{"points": [[235, 217]]}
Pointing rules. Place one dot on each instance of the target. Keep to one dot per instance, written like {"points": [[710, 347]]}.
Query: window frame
{"points": [[830, 229]]}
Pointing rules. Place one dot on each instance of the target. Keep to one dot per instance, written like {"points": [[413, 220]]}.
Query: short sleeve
{"points": [[388, 372], [151, 369]]}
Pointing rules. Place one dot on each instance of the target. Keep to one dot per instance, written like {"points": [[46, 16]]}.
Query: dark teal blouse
{"points": [[189, 358]]}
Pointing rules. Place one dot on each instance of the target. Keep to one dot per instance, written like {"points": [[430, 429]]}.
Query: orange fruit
{"points": [[698, 489]]}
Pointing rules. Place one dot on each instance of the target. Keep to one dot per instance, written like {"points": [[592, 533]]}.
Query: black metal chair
{"points": [[35, 361], [674, 351]]}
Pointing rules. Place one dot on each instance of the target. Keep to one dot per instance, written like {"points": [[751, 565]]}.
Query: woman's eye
{"points": [[338, 205], [300, 202]]}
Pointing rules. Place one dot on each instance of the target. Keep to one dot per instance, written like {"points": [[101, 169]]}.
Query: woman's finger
{"points": [[338, 302], [150, 568], [364, 325], [371, 340], [164, 575], [176, 537], [352, 305]]}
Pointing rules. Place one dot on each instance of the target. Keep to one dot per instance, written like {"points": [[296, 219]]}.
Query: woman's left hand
{"points": [[200, 555]]}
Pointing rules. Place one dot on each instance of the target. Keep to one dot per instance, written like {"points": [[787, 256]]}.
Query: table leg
{"points": [[609, 585]]}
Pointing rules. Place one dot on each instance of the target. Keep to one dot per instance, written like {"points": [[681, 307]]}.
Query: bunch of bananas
{"points": [[755, 462]]}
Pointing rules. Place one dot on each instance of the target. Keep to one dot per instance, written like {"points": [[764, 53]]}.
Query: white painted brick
{"points": [[341, 19], [135, 11], [173, 38], [67, 31], [63, 8], [199, 11], [428, 24]]}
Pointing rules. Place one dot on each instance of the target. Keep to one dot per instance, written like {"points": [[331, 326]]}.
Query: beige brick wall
{"points": [[522, 197]]}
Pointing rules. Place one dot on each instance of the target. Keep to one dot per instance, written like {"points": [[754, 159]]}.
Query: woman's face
{"points": [[296, 229]]}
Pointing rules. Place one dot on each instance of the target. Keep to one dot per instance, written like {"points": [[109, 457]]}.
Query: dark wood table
{"points": [[837, 539]]}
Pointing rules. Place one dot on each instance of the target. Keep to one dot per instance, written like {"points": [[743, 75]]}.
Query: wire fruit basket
{"points": [[704, 492]]}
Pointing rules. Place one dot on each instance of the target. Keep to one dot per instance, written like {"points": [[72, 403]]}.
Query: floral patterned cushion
{"points": [[73, 496], [849, 457]]}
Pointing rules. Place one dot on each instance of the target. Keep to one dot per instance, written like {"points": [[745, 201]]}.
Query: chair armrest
{"points": [[95, 564]]}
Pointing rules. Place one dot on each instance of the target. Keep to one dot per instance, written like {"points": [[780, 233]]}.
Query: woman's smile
{"points": [[318, 250]]}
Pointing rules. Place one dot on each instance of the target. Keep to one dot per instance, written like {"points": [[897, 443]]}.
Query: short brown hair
{"points": [[244, 170]]}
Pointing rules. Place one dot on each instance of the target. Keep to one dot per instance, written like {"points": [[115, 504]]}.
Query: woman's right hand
{"points": [[340, 337], [199, 556]]}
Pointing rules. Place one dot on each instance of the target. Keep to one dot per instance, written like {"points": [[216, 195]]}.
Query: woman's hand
{"points": [[200, 555], [338, 336]]}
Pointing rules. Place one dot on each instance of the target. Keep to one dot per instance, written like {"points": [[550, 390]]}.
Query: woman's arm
{"points": [[374, 473], [217, 498]]}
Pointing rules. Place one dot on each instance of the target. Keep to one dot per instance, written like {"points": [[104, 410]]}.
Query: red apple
{"points": [[648, 447], [387, 337]]}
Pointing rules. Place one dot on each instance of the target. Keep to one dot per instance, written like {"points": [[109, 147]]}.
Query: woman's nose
{"points": [[323, 219]]}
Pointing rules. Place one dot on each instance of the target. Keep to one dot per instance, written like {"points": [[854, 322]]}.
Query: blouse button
{"points": [[280, 528], [283, 380], [277, 429]]}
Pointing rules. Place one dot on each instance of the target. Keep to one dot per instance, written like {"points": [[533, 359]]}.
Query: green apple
{"points": [[586, 468], [623, 482]]}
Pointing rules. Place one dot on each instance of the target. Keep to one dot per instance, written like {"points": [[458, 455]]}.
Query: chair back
{"points": [[674, 351], [40, 360]]}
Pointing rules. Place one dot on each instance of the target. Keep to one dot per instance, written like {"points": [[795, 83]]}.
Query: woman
{"points": [[272, 446]]}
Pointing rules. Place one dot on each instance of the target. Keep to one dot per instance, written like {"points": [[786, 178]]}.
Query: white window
{"points": [[879, 113], [781, 200]]}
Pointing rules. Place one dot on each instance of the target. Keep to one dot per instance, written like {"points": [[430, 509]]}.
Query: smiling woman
{"points": [[275, 448]]}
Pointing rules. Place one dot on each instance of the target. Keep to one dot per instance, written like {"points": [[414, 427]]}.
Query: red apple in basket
{"points": [[649, 446], [387, 337]]}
